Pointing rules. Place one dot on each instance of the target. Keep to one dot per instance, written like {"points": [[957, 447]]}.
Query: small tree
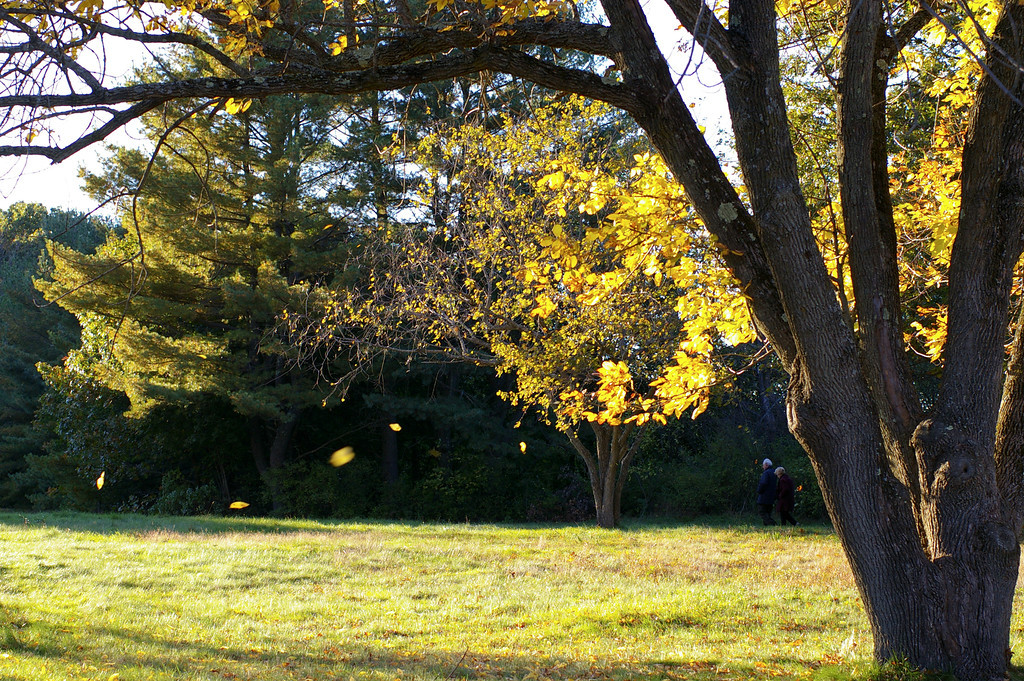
{"points": [[579, 312]]}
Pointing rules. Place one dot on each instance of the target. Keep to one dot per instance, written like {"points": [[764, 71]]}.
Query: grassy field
{"points": [[132, 597]]}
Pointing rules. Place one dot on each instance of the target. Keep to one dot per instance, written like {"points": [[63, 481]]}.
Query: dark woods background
{"points": [[456, 457]]}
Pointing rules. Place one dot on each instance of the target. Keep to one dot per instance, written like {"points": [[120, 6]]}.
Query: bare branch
{"points": [[60, 57], [910, 28], [148, 95], [698, 19], [58, 154]]}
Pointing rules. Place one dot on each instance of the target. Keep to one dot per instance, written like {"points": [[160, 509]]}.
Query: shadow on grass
{"points": [[127, 523], [132, 654]]}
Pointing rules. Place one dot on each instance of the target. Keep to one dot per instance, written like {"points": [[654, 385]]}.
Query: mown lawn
{"points": [[135, 597]]}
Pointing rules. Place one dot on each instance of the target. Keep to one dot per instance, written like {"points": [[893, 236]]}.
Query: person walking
{"points": [[766, 488], [786, 497]]}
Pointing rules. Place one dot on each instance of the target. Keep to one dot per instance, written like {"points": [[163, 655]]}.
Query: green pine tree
{"points": [[30, 330], [229, 228]]}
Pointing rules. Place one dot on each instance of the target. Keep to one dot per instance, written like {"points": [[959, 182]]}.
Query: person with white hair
{"points": [[766, 492]]}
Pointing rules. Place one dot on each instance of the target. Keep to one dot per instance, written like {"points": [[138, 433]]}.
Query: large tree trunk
{"points": [[948, 610], [927, 504]]}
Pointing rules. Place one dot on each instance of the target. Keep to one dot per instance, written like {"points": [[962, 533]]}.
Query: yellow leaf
{"points": [[554, 180], [545, 306], [339, 45], [698, 409], [342, 456], [522, 447], [238, 504], [235, 106], [395, 427], [100, 480], [89, 7]]}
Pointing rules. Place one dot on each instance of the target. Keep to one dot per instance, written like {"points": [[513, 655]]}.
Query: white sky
{"points": [[36, 180]]}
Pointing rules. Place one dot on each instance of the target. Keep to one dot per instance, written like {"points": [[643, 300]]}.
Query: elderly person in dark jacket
{"points": [[766, 492], [786, 498]]}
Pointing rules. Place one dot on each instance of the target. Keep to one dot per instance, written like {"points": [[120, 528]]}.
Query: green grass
{"points": [[134, 597]]}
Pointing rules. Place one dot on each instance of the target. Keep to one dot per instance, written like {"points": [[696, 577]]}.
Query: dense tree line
{"points": [[188, 379], [293, 272], [458, 453]]}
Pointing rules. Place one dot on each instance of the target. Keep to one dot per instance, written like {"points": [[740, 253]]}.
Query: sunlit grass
{"points": [[89, 597]]}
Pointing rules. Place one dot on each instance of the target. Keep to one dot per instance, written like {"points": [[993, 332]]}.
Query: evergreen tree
{"points": [[30, 331], [230, 227]]}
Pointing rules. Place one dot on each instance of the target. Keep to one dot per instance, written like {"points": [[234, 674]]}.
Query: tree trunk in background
{"points": [[608, 467], [389, 451], [452, 375], [270, 442]]}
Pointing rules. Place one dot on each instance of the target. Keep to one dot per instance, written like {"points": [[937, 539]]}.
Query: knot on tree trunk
{"points": [[947, 457], [996, 539]]}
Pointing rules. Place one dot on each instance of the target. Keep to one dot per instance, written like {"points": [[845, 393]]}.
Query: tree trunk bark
{"points": [[914, 496], [939, 602], [608, 467]]}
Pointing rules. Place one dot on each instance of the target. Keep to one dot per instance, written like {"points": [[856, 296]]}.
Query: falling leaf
{"points": [[238, 504], [342, 456], [100, 480], [522, 447], [395, 427]]}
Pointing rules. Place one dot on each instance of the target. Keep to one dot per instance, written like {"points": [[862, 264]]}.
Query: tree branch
{"points": [[871, 233], [910, 28], [422, 41], [781, 222], [149, 95], [988, 242], [698, 19], [58, 154], [667, 120], [59, 57]]}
